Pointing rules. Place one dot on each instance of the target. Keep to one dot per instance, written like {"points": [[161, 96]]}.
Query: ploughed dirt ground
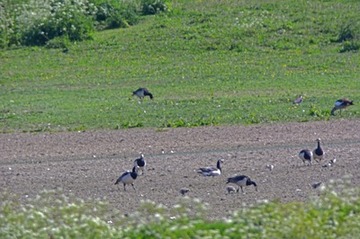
{"points": [[86, 164]]}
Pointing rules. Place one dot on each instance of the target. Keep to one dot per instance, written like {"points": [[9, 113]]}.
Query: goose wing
{"points": [[122, 176], [206, 169]]}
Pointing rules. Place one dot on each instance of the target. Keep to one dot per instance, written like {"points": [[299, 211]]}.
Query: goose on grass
{"points": [[211, 171], [341, 104], [298, 100], [128, 177], [142, 92], [241, 181]]}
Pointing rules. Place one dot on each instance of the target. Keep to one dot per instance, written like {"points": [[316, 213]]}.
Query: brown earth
{"points": [[86, 164]]}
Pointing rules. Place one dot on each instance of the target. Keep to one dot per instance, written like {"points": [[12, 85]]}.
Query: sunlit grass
{"points": [[207, 63]]}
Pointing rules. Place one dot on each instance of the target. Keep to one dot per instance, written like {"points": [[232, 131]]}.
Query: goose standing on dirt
{"points": [[318, 153], [315, 185], [211, 171], [241, 181], [341, 104], [142, 92], [140, 163], [230, 189], [184, 191], [306, 155], [128, 178]]}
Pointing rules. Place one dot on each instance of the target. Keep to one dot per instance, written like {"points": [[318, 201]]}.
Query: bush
{"points": [[150, 7], [38, 21], [115, 14], [349, 37], [346, 33], [35, 22], [71, 19], [349, 46]]}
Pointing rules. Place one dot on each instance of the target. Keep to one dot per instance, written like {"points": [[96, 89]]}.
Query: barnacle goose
{"points": [[211, 171], [241, 181], [128, 178]]}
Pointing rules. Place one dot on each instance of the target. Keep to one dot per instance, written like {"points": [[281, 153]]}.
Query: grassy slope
{"points": [[209, 62]]}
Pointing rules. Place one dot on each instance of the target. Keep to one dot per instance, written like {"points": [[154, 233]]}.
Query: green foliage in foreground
{"points": [[206, 62], [335, 214]]}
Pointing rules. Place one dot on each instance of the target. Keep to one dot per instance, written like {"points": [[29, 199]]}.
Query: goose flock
{"points": [[306, 155], [318, 155], [339, 104], [129, 177]]}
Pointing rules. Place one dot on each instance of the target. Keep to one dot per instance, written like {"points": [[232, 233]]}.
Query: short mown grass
{"points": [[333, 214]]}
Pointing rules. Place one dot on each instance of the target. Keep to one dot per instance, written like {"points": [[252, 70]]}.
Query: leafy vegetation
{"points": [[35, 22], [206, 62], [333, 214]]}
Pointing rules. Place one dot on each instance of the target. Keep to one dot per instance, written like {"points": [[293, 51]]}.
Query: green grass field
{"points": [[206, 62]]}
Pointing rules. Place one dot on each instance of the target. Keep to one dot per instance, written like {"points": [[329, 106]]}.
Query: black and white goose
{"points": [[241, 181], [306, 156], [211, 171], [341, 104], [142, 92], [140, 163], [128, 178], [318, 153]]}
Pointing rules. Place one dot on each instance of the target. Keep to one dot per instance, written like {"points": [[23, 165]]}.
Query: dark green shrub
{"points": [[350, 46], [114, 14], [58, 43], [150, 7], [346, 33]]}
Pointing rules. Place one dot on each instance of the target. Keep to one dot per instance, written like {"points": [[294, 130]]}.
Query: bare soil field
{"points": [[86, 164]]}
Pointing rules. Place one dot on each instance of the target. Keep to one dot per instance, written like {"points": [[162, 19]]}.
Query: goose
{"points": [[211, 171], [316, 185], [230, 189], [128, 178], [330, 163], [318, 153], [241, 181], [184, 191], [306, 155], [142, 92], [140, 163], [341, 104], [298, 100], [270, 167]]}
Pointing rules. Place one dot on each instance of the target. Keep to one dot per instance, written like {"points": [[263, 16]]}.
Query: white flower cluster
{"points": [[35, 14]]}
